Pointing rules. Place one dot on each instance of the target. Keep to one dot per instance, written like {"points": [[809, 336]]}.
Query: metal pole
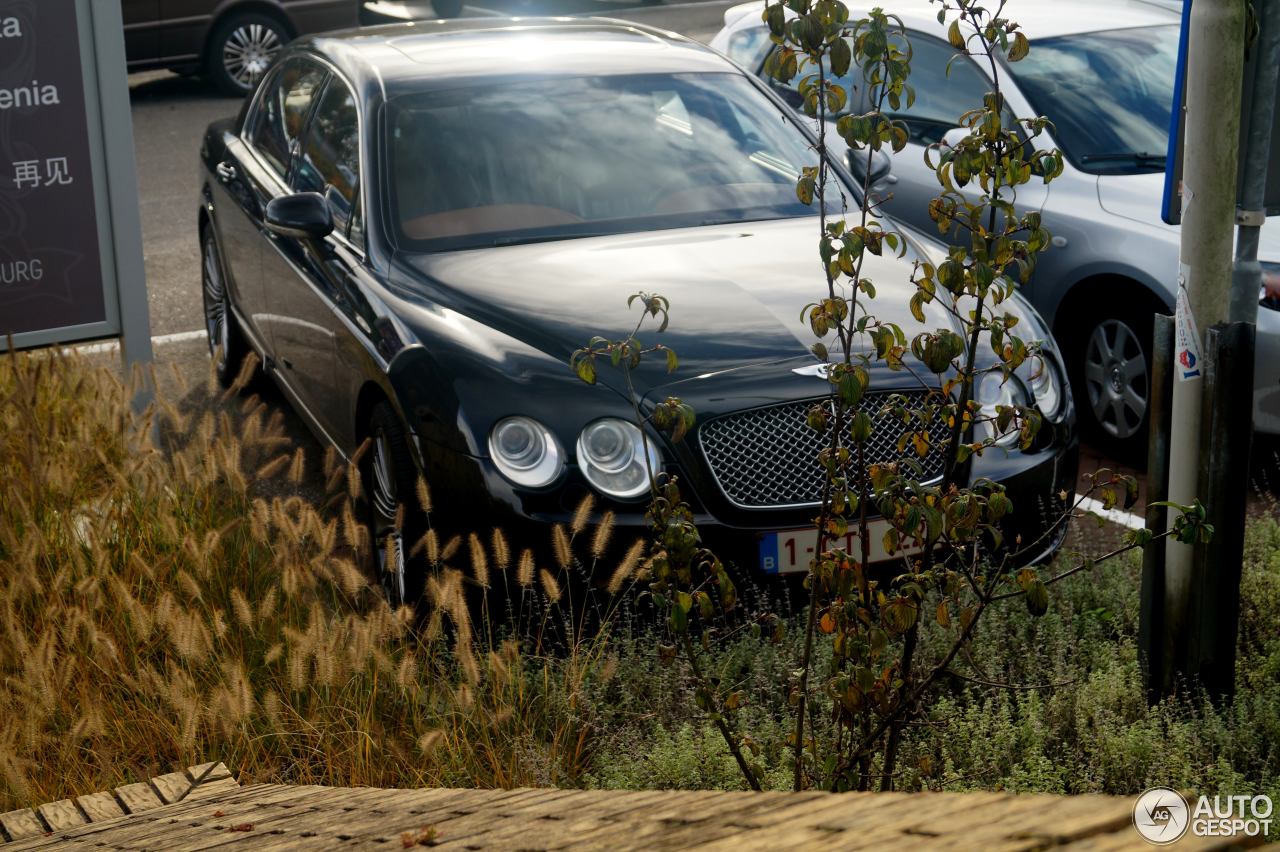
{"points": [[1214, 619], [1154, 643], [1215, 69], [109, 67], [1246, 276]]}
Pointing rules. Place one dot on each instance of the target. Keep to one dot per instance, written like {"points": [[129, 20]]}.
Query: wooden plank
{"points": [[206, 772], [21, 823], [1067, 818], [172, 787], [100, 806], [137, 798], [61, 814]]}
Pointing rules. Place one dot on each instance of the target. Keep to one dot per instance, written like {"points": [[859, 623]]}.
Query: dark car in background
{"points": [[416, 226], [232, 42]]}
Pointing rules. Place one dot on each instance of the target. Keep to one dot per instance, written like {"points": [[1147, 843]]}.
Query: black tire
{"points": [[447, 8], [240, 50], [390, 486], [1109, 363], [227, 346]]}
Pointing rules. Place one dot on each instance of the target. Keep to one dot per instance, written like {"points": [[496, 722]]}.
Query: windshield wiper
{"points": [[546, 238], [1141, 158]]}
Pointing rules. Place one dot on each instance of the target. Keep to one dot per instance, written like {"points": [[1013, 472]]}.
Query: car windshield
{"points": [[564, 157], [1109, 95]]}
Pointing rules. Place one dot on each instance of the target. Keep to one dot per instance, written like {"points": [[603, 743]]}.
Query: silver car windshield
{"points": [[560, 157], [1109, 95]]}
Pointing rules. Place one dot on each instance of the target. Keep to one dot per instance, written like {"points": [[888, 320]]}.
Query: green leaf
{"points": [[672, 361], [585, 366], [1020, 48], [1037, 596], [841, 56], [954, 36]]}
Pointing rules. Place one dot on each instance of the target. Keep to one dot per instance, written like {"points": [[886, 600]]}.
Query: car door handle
{"points": [[226, 172]]}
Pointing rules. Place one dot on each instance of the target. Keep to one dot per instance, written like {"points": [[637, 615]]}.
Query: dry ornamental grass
{"points": [[158, 608]]}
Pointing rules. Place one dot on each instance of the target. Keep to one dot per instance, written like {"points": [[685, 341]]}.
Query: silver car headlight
{"points": [[525, 452], [1046, 386], [995, 390], [616, 458]]}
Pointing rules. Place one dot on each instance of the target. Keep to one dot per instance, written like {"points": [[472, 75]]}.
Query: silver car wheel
{"points": [[248, 52], [216, 323], [1115, 375], [387, 536]]}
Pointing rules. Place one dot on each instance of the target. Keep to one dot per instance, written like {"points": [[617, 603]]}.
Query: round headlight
{"points": [[525, 451], [1046, 386], [993, 391], [616, 458]]}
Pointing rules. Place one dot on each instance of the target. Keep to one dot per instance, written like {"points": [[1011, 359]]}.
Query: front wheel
{"points": [[392, 513], [1112, 375], [226, 344]]}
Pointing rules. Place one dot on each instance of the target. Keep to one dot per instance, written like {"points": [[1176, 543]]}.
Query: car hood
{"points": [[1138, 197], [737, 293]]}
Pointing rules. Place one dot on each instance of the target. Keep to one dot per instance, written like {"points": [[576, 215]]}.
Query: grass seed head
{"points": [[582, 515], [550, 586], [604, 531], [524, 573]]}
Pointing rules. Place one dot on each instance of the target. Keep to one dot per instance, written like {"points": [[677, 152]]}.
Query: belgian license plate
{"points": [[789, 551]]}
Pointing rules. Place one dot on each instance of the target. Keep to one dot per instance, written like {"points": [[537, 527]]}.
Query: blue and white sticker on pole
{"points": [[1186, 336]]}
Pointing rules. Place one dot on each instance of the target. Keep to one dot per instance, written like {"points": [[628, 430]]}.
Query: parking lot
{"points": [[170, 113]]}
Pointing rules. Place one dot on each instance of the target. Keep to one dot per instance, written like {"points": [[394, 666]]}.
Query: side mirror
{"points": [[304, 215], [881, 167]]}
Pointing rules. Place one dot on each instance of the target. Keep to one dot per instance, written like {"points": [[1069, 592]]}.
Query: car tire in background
{"points": [[227, 345], [1109, 364], [240, 50], [447, 8], [391, 507]]}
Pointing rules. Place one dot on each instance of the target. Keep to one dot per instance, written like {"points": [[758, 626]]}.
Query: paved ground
{"points": [[171, 112]]}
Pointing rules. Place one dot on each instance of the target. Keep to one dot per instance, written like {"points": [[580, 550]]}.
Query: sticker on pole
{"points": [[1186, 350]]}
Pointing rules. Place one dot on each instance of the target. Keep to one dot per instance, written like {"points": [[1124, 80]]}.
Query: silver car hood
{"points": [[1137, 197]]}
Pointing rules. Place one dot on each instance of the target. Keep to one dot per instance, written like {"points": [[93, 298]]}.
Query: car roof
{"points": [[399, 55], [1039, 19]]}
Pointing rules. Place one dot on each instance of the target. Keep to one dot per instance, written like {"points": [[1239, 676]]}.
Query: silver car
{"points": [[1103, 72]]}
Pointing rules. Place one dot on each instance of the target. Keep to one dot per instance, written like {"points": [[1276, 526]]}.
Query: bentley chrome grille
{"points": [[767, 458]]}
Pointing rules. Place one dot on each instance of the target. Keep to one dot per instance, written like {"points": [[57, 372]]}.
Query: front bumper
{"points": [[479, 498]]}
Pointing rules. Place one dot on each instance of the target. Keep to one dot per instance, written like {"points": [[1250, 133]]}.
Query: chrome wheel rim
{"points": [[1115, 375], [248, 51], [387, 536], [216, 325]]}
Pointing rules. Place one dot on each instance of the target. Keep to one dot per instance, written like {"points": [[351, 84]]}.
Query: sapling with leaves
{"points": [[945, 532], [874, 684], [688, 585]]}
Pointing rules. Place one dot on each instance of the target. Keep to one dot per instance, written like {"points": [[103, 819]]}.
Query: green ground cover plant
{"points": [[160, 607]]}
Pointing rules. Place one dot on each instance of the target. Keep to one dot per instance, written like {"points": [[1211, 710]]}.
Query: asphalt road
{"points": [[170, 114]]}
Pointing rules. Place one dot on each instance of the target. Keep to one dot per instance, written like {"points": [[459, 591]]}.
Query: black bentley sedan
{"points": [[415, 226]]}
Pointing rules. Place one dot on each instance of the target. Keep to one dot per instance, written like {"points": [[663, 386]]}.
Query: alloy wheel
{"points": [[388, 538], [216, 322], [248, 52], [1116, 378]]}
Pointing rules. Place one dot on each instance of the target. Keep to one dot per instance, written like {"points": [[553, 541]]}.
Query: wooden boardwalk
{"points": [[204, 807]]}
